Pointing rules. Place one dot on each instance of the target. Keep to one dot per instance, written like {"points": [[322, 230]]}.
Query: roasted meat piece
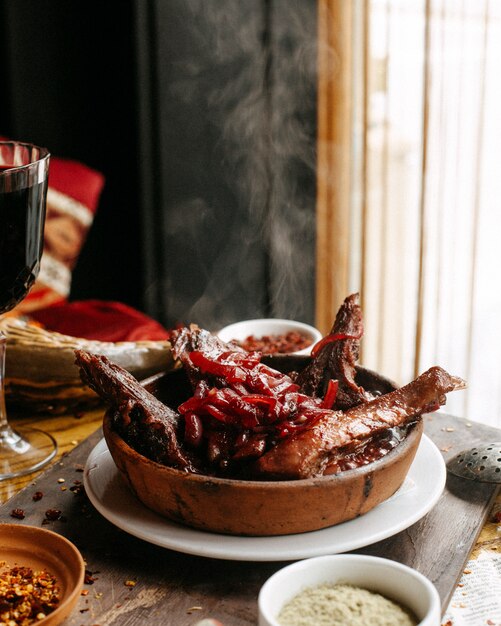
{"points": [[334, 358], [148, 425], [307, 453], [194, 339]]}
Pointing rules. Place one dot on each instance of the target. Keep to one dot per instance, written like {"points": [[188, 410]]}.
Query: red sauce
{"points": [[371, 451]]}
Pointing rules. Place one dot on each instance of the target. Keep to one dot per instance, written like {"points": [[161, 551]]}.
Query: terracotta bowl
{"points": [[260, 508], [43, 549]]}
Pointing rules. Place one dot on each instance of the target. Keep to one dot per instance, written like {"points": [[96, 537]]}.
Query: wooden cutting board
{"points": [[133, 582]]}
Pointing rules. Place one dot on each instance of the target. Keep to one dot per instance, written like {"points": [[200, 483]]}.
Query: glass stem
{"points": [[3, 412]]}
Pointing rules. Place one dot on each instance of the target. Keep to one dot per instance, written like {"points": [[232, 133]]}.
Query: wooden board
{"points": [[174, 588]]}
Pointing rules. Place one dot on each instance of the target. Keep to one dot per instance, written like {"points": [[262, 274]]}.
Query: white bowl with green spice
{"points": [[348, 590]]}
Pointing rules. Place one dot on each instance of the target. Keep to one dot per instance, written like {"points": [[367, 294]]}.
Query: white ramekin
{"points": [[261, 327], [395, 581]]}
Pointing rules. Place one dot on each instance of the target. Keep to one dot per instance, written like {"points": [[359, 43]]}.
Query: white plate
{"points": [[419, 493]]}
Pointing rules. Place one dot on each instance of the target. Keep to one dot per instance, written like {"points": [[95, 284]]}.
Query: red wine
{"points": [[22, 214]]}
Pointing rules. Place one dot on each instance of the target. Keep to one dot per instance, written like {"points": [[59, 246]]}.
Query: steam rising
{"points": [[261, 110]]}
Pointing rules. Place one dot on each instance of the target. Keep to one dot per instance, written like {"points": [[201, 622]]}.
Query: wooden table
{"points": [[173, 588]]}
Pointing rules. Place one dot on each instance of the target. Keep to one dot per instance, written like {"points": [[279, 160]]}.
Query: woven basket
{"points": [[41, 375]]}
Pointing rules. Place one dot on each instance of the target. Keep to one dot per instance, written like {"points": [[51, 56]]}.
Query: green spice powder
{"points": [[343, 605]]}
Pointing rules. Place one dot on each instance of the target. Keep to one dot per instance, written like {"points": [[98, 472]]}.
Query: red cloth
{"points": [[101, 320], [76, 180]]}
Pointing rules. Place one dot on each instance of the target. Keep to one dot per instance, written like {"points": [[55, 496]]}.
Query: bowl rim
{"points": [[283, 574], [269, 320], [415, 431]]}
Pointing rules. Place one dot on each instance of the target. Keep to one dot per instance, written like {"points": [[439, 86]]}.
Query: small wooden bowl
{"points": [[42, 549], [260, 508]]}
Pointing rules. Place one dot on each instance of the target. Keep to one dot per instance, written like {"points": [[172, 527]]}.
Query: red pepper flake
{"points": [[77, 489], [84, 592], [17, 513], [89, 578], [26, 595], [497, 517], [52, 514], [38, 495]]}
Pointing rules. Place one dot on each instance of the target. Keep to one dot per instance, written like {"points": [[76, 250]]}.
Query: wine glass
{"points": [[24, 170]]}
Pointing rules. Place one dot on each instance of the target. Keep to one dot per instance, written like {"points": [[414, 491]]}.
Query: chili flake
{"points": [[26, 596], [52, 514], [89, 577], [17, 513], [77, 489], [38, 495]]}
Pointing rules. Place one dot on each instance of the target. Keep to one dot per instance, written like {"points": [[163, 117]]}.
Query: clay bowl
{"points": [[259, 508], [42, 549]]}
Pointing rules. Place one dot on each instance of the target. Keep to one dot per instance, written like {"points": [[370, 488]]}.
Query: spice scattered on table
{"points": [[26, 596], [38, 495], [90, 578], [17, 513], [53, 514], [338, 605]]}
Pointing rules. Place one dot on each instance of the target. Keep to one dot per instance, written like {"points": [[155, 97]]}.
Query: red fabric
{"points": [[101, 320], [76, 180]]}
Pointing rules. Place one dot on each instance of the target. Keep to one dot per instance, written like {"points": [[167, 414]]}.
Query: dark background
{"points": [[201, 115]]}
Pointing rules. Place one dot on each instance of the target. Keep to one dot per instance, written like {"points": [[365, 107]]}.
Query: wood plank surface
{"points": [[178, 589]]}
